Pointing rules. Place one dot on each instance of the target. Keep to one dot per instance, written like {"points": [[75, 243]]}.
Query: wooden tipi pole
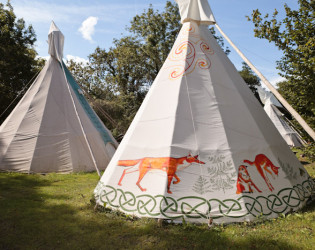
{"points": [[300, 120]]}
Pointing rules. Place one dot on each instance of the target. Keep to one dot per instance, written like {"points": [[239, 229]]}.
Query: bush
{"points": [[309, 151]]}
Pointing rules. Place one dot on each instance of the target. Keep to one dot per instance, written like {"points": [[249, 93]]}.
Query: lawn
{"points": [[55, 211]]}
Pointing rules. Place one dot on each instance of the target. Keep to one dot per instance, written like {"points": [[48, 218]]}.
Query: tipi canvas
{"points": [[288, 133], [201, 147], [53, 128]]}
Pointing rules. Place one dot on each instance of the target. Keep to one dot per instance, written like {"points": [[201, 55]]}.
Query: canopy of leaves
{"points": [[295, 37], [251, 79], [17, 61]]}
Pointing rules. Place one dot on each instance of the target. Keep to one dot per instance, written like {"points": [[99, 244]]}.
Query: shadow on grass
{"points": [[309, 208], [304, 162], [36, 215]]}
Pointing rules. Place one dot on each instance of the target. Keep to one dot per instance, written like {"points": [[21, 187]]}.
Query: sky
{"points": [[88, 24]]}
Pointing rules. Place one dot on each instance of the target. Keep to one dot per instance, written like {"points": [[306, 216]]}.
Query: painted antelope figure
{"points": [[168, 164], [244, 181], [264, 166]]}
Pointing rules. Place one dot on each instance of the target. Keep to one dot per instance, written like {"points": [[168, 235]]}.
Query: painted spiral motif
{"points": [[185, 52], [204, 64], [206, 48], [185, 55]]}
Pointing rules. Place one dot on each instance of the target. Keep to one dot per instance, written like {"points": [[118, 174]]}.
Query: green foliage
{"points": [[17, 62], [119, 78], [298, 96], [251, 79], [156, 33], [295, 37], [309, 151]]}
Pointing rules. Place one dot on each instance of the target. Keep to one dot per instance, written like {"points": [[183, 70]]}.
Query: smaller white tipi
{"points": [[288, 133], [53, 128]]}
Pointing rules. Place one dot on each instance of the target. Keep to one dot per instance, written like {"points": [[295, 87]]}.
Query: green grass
{"points": [[55, 212]]}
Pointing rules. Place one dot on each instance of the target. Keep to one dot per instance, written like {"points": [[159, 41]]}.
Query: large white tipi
{"points": [[201, 147], [271, 104], [53, 128]]}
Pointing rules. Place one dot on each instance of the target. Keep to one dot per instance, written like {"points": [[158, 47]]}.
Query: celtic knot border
{"points": [[170, 208]]}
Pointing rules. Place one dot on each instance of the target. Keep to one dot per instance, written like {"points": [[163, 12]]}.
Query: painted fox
{"points": [[264, 166], [244, 181], [168, 164]]}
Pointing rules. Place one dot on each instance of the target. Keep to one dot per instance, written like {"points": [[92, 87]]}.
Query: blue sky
{"points": [[88, 24]]}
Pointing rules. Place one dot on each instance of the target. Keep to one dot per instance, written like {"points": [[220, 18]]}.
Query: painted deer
{"points": [[264, 166]]}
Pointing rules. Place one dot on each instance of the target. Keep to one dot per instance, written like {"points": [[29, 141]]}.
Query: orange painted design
{"points": [[189, 30], [244, 181], [185, 52], [206, 48], [264, 166], [166, 164], [189, 54]]}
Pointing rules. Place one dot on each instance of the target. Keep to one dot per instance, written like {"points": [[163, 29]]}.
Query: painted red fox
{"points": [[168, 164], [262, 164], [244, 182]]}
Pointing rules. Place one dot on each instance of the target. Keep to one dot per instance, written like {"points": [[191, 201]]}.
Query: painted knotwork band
{"points": [[189, 207]]}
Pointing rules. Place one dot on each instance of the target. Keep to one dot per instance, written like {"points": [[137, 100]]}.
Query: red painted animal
{"points": [[168, 164], [244, 182], [264, 166]]}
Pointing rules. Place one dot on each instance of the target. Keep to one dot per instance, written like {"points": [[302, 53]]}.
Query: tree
{"points": [[18, 62], [102, 97], [124, 78], [295, 37], [251, 79], [123, 74], [156, 33]]}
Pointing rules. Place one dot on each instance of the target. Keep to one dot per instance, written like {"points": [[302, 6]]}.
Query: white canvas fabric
{"points": [[195, 10], [55, 42], [291, 137], [268, 96], [201, 147], [44, 134], [271, 103]]}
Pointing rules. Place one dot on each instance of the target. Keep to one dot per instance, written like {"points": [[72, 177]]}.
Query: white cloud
{"points": [[273, 80], [77, 59], [277, 79], [87, 28]]}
